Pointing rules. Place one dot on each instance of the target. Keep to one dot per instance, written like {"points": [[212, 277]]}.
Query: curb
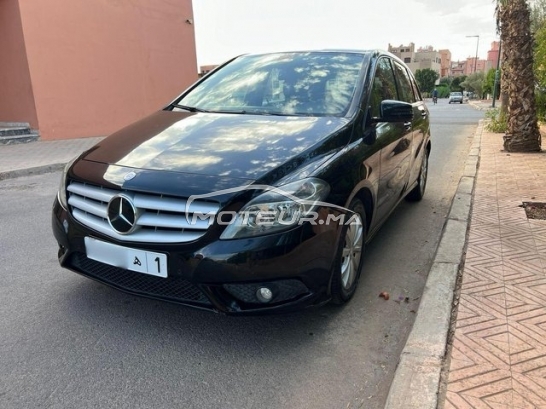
{"points": [[480, 107], [416, 381], [36, 170]]}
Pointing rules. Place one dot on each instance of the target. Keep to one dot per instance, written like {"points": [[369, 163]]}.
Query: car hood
{"points": [[225, 145]]}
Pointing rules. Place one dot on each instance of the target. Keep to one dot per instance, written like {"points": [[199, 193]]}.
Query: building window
{"points": [[407, 59]]}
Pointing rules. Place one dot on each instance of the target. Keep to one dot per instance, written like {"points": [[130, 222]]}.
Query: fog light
{"points": [[65, 225], [264, 294]]}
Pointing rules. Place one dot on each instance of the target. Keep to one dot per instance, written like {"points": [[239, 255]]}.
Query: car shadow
{"points": [[99, 304]]}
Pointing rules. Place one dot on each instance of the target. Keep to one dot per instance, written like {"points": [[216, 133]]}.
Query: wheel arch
{"points": [[366, 197]]}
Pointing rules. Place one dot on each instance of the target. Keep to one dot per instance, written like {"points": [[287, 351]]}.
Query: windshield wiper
{"points": [[254, 111], [276, 113], [188, 108]]}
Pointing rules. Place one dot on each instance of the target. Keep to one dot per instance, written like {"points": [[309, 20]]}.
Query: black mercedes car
{"points": [[256, 189]]}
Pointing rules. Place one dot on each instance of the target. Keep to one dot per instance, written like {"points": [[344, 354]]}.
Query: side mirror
{"points": [[395, 111]]}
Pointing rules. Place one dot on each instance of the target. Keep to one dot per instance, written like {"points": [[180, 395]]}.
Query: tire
{"points": [[348, 264], [461, 102], [418, 191]]}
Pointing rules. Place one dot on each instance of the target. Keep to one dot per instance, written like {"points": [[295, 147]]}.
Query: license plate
{"points": [[145, 262]]}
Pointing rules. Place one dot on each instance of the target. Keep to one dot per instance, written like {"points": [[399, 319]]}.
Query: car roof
{"points": [[364, 52], [368, 53], [332, 50]]}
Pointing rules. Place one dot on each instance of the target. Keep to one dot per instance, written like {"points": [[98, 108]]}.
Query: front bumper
{"points": [[218, 275]]}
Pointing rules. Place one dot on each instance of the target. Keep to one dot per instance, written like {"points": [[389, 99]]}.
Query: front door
{"points": [[395, 139]]}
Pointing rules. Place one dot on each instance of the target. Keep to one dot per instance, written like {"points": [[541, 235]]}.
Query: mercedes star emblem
{"points": [[122, 214]]}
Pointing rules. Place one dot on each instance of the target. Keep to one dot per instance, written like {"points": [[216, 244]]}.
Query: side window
{"points": [[384, 86], [405, 90], [416, 89]]}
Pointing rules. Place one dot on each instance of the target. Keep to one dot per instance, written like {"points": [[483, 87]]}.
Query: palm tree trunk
{"points": [[523, 134]]}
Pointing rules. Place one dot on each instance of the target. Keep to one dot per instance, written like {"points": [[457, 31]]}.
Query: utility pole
{"points": [[477, 46]]}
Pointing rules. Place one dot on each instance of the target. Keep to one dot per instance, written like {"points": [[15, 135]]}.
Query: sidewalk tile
{"points": [[498, 355]]}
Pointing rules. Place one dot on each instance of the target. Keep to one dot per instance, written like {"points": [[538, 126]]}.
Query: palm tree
{"points": [[513, 21]]}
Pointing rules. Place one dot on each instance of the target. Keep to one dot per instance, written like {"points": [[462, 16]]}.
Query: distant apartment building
{"points": [[458, 68], [405, 52], [445, 63], [493, 55], [472, 65], [440, 61], [424, 57]]}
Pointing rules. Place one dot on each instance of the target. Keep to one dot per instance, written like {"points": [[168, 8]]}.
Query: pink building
{"points": [[473, 66], [86, 68], [458, 68], [493, 54]]}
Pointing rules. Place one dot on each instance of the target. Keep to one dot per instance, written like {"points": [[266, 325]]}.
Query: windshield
{"points": [[316, 84]]}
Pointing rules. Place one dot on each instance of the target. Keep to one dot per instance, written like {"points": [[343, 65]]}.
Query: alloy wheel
{"points": [[351, 253]]}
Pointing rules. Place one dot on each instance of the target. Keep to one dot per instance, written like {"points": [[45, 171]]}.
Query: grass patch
{"points": [[498, 122]]}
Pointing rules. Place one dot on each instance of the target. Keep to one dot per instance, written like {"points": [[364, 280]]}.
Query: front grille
{"points": [[174, 289], [160, 219]]}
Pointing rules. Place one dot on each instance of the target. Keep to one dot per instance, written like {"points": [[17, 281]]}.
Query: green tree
{"points": [[443, 91], [538, 14], [426, 78], [489, 81], [474, 83], [540, 55], [518, 80], [446, 81], [538, 26], [456, 84]]}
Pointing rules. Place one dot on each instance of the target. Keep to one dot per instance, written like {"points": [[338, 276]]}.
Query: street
{"points": [[68, 342]]}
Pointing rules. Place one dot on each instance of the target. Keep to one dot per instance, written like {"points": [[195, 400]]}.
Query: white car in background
{"points": [[456, 97]]}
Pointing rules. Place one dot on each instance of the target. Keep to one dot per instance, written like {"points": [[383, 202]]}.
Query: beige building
{"points": [[86, 68], [405, 52], [424, 57]]}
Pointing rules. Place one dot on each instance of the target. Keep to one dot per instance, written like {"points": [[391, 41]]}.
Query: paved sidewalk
{"points": [[498, 358], [498, 353], [41, 156]]}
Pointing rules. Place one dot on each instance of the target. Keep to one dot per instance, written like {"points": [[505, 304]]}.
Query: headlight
{"points": [[277, 209], [62, 187]]}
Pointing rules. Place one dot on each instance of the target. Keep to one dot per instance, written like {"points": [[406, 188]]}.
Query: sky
{"points": [[227, 28]]}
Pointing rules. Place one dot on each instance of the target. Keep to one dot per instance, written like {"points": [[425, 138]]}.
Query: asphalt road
{"points": [[68, 342]]}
